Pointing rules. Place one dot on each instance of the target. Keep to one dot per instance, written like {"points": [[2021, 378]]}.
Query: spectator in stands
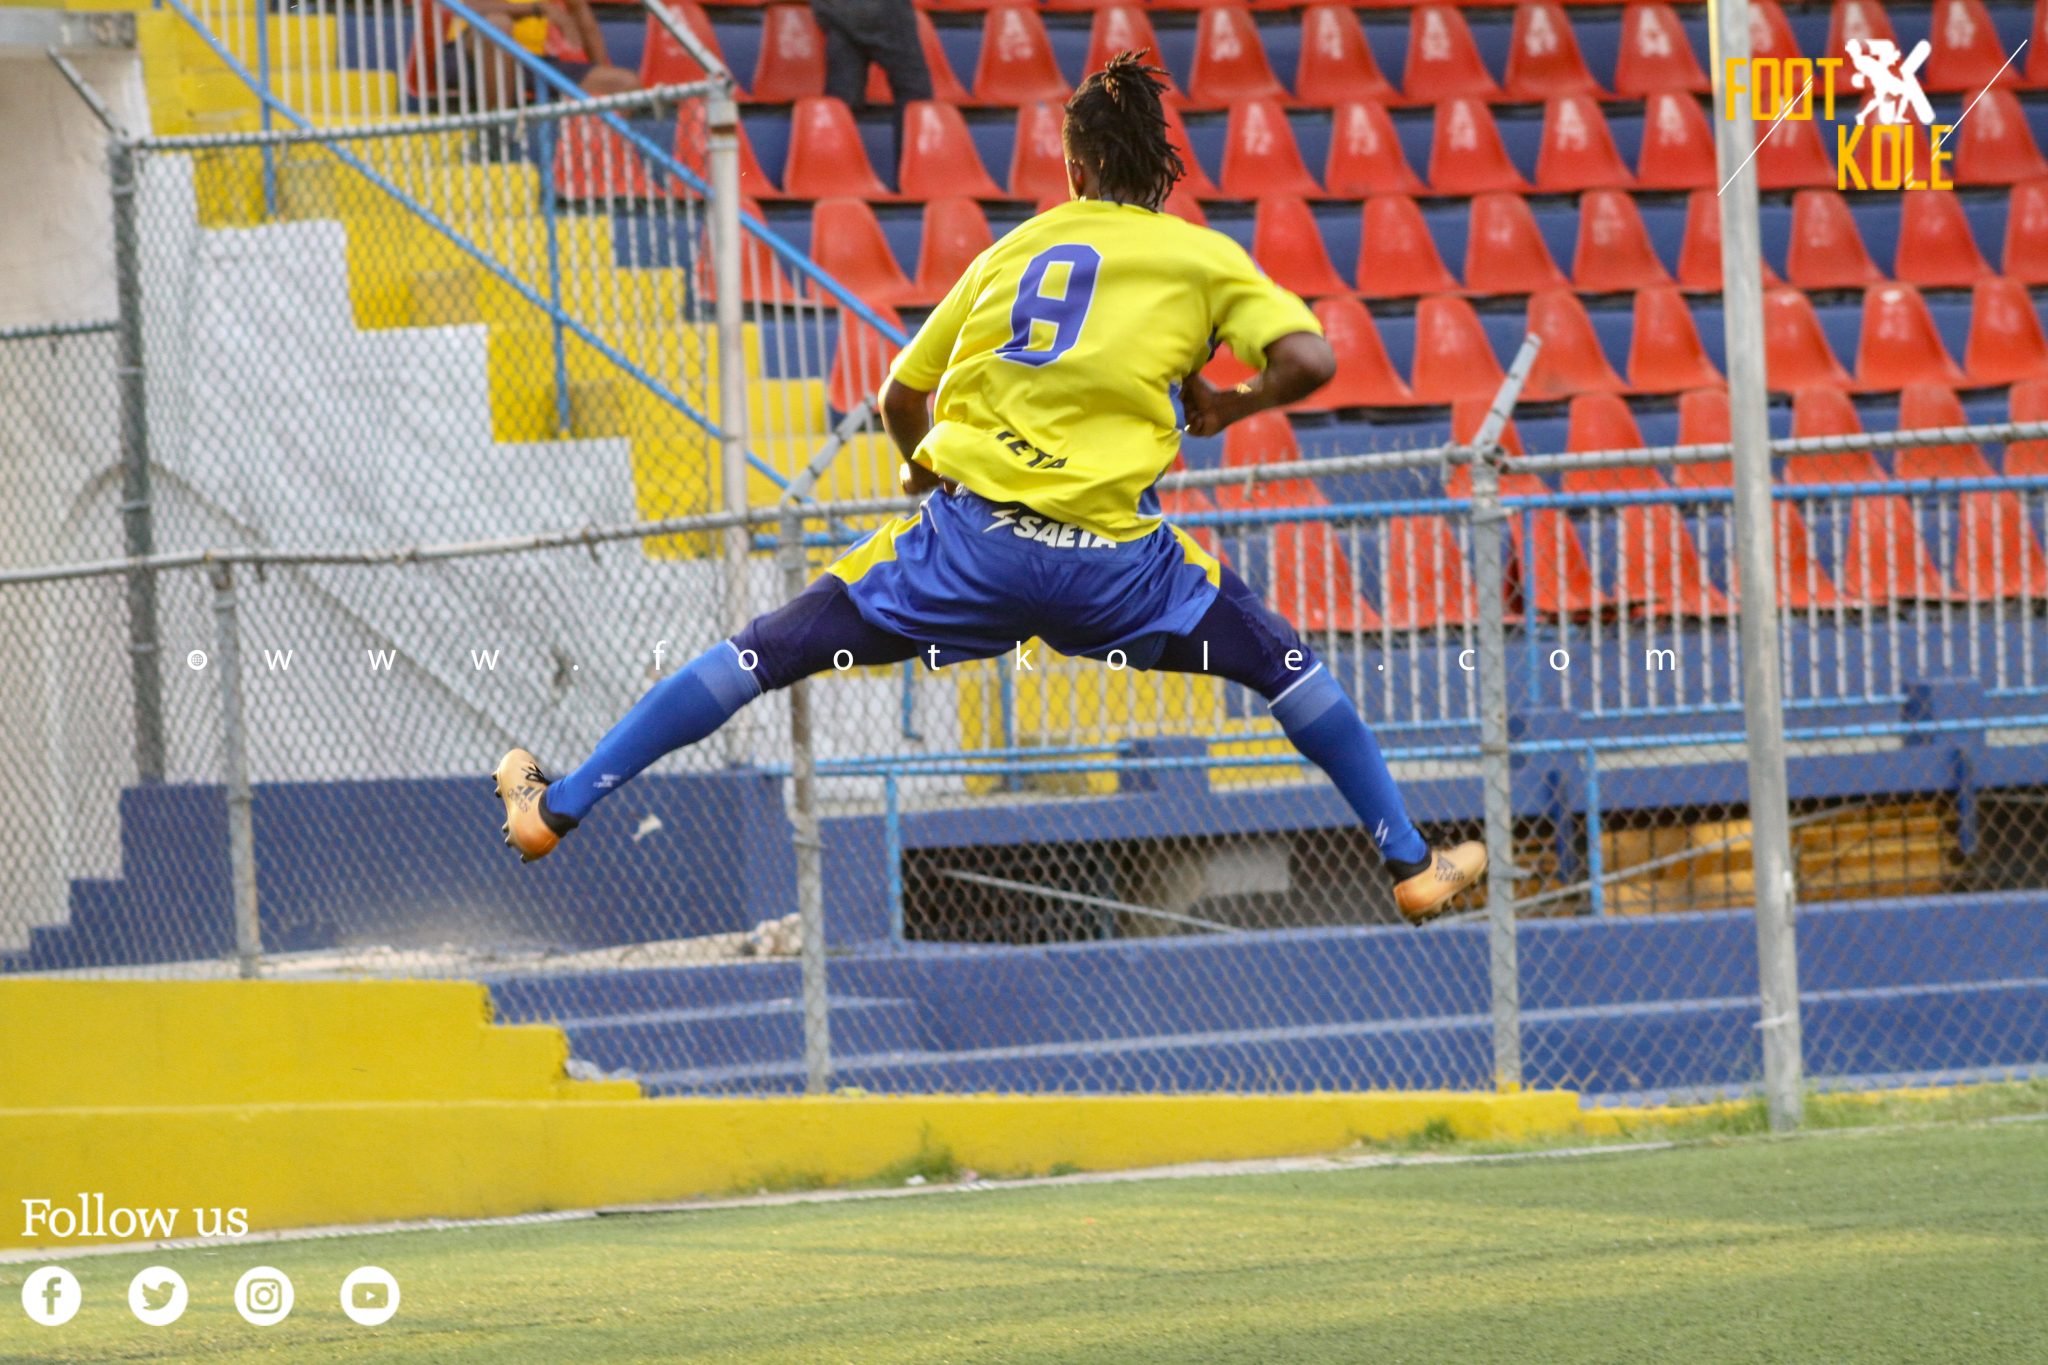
{"points": [[563, 34], [883, 32]]}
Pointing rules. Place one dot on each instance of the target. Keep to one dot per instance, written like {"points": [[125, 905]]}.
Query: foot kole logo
{"points": [[1891, 141]]}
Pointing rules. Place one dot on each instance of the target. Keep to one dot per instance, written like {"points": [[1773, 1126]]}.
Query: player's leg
{"points": [[794, 641], [1239, 638]]}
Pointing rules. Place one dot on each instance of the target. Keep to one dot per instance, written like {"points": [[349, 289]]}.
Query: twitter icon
{"points": [[157, 1295]]}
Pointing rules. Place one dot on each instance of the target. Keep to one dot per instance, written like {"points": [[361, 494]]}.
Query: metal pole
{"points": [[137, 520], [1489, 521], [809, 840], [227, 649], [722, 114], [1749, 429]]}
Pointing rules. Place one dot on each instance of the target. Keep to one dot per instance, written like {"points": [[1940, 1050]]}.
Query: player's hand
{"points": [[916, 480], [1209, 409]]}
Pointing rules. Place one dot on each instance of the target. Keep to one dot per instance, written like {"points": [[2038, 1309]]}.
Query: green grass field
{"points": [[1925, 1244]]}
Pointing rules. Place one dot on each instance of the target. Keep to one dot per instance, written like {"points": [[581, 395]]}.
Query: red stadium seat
{"points": [[1770, 34], [1443, 61], [1831, 412], [2026, 233], [1123, 28], [1664, 352], [2005, 334], [1547, 568], [1016, 65], [1504, 250], [1259, 153], [1885, 558], [1366, 378], [826, 156], [1365, 153], [1827, 251], [2037, 47], [1796, 351], [1571, 360], [847, 244], [663, 60], [1791, 156], [1577, 152], [1967, 52], [1466, 155], [1936, 249], [946, 87], [2028, 402], [1543, 56], [1614, 252], [1230, 62], [1994, 146], [792, 61], [1659, 573], [1924, 407], [860, 359], [1699, 252], [592, 161], [1678, 146], [1600, 421], [1336, 62], [1038, 159], [762, 279], [1313, 585], [1655, 54], [1703, 421], [1181, 203], [1453, 358], [1288, 247], [688, 150], [1424, 583], [1196, 181], [939, 156], [955, 232], [1899, 344], [1397, 256], [1858, 19]]}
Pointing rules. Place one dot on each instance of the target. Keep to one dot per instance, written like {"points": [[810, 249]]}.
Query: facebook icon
{"points": [[51, 1296]]}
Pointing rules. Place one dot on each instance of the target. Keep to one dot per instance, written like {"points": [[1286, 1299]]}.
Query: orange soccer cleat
{"points": [[521, 785], [1425, 895]]}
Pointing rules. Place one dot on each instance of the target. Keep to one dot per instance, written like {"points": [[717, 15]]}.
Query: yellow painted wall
{"points": [[310, 1103]]}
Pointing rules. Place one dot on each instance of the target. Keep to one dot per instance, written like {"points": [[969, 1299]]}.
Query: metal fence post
{"points": [[809, 841], [137, 519], [723, 152], [1770, 837], [1489, 523], [227, 649]]}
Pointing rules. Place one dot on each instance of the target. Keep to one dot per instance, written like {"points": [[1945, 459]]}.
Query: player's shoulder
{"points": [[1125, 226]]}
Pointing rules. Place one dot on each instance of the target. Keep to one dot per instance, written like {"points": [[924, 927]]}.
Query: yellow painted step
{"points": [[105, 1043]]}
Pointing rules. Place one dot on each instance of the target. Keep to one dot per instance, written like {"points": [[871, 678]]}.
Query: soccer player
{"points": [[1066, 363]]}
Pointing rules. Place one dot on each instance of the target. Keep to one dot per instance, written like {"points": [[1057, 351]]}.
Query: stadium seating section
{"points": [[1439, 178]]}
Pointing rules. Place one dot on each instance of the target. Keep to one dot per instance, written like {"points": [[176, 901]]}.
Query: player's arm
{"points": [[907, 417], [914, 376], [1296, 366], [1264, 325]]}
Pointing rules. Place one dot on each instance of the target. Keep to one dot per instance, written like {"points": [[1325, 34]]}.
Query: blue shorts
{"points": [[977, 578]]}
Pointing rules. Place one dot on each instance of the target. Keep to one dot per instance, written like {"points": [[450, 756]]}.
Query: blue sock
{"points": [[681, 709], [1328, 730]]}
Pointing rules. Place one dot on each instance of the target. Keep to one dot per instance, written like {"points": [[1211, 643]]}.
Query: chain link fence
{"points": [[459, 433]]}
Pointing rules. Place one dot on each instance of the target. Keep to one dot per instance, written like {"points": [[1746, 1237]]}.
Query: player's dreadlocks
{"points": [[1116, 123]]}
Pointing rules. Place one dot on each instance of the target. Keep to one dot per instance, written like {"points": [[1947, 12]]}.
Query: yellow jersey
{"points": [[1058, 357]]}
